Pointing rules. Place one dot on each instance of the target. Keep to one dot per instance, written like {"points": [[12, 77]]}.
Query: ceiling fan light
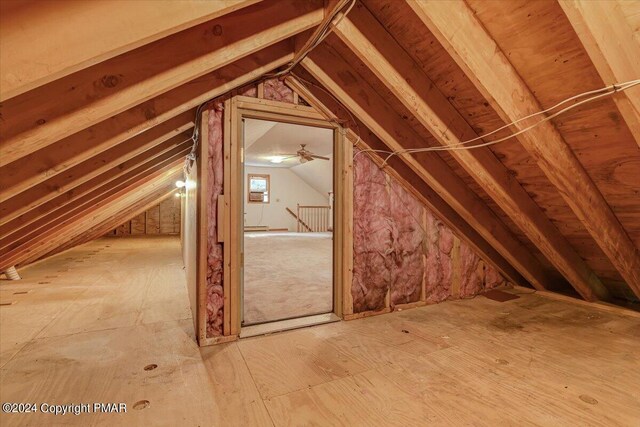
{"points": [[276, 159]]}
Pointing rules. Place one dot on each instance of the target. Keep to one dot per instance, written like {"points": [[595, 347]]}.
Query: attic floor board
{"points": [[88, 334]]}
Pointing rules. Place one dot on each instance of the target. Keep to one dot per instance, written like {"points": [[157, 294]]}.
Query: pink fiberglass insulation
{"points": [[215, 296], [372, 236], [399, 245], [276, 90], [251, 91], [438, 244], [407, 269], [471, 272], [492, 278]]}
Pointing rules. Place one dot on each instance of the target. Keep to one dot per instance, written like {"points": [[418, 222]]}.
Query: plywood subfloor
{"points": [[287, 275], [118, 305]]}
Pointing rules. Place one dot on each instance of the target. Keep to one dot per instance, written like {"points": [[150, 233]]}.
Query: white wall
{"points": [[189, 237], [318, 174], [287, 190]]}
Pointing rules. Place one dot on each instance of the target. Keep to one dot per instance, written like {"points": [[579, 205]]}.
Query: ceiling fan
{"points": [[303, 154]]}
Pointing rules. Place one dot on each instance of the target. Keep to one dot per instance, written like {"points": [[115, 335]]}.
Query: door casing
{"points": [[236, 109]]}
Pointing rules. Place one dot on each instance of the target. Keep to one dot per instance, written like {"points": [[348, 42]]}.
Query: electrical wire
{"points": [[601, 93], [463, 145], [318, 36], [597, 94], [327, 27]]}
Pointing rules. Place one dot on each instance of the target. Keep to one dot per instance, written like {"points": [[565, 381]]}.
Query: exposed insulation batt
{"points": [[492, 278], [276, 90], [215, 296], [438, 246], [251, 91], [399, 245], [407, 270], [471, 272], [372, 236]]}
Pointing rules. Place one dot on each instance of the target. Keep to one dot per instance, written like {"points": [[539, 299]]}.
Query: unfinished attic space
{"points": [[320, 212]]}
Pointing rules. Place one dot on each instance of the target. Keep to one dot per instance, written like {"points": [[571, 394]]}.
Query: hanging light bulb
{"points": [[180, 184]]}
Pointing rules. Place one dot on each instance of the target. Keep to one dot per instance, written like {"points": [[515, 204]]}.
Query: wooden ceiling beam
{"points": [[15, 179], [39, 166], [65, 36], [22, 224], [365, 140], [62, 213], [36, 196], [66, 106], [328, 68], [101, 211], [610, 43], [489, 69], [376, 48]]}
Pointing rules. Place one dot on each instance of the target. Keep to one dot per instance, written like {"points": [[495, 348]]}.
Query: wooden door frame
{"points": [[236, 109]]}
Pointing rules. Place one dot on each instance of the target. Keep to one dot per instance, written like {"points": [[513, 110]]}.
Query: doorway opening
{"points": [[288, 221]]}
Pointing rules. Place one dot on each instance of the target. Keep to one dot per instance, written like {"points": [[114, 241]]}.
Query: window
{"points": [[258, 188]]}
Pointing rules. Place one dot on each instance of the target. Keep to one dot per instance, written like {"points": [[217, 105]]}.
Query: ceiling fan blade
{"points": [[320, 157]]}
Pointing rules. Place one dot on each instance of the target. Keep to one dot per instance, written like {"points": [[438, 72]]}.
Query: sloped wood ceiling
{"points": [[100, 103], [87, 124], [542, 47]]}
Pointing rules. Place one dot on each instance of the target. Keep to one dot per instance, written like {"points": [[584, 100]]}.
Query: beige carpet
{"points": [[287, 275]]}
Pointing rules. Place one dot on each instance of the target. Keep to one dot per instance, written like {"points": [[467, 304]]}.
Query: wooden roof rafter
{"points": [[97, 213], [610, 43], [58, 214], [338, 77], [36, 196], [124, 215], [37, 119], [58, 157], [371, 43], [16, 180], [365, 139], [489, 69], [100, 31], [116, 176]]}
